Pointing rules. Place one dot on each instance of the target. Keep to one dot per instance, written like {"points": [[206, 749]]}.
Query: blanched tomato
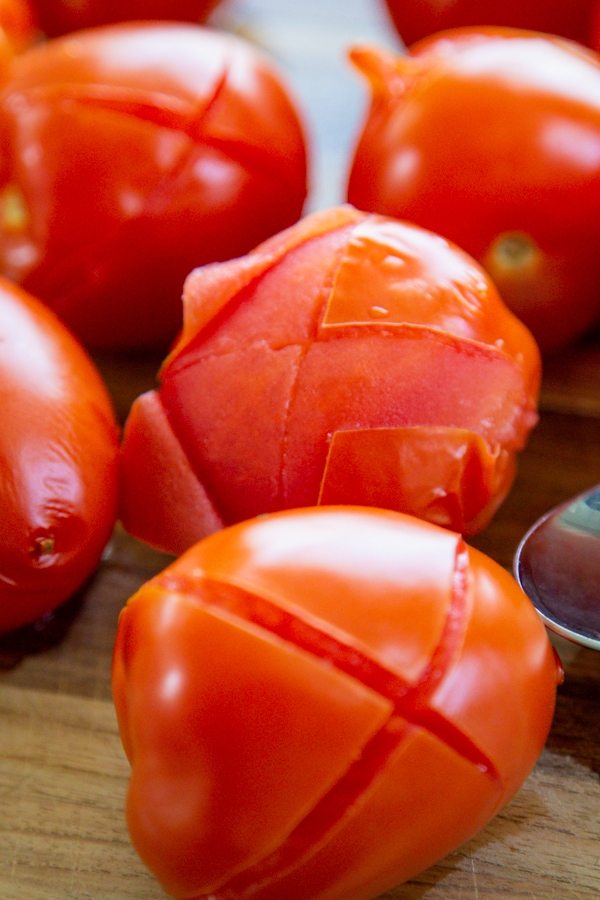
{"points": [[318, 704], [416, 19], [133, 153], [58, 461], [350, 359], [491, 137], [58, 17]]}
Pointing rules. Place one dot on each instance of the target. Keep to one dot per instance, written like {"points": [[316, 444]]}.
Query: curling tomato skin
{"points": [[417, 19], [133, 153], [491, 137], [58, 461], [296, 697], [58, 17], [350, 359]]}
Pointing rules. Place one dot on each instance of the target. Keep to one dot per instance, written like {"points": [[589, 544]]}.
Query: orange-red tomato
{"points": [[320, 703], [351, 359], [491, 137], [18, 25], [58, 17], [131, 154], [58, 461], [416, 19]]}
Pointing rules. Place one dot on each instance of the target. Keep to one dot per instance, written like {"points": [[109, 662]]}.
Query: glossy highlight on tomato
{"points": [[320, 703], [350, 359], [416, 19], [57, 17], [58, 461], [133, 153], [491, 137]]}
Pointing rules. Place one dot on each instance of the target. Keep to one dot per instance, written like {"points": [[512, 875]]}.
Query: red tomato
{"points": [[318, 704], [351, 359], [595, 41], [416, 19], [58, 17], [133, 153], [58, 461], [492, 138]]}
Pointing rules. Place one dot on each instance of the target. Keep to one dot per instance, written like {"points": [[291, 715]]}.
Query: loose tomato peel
{"points": [[375, 360]]}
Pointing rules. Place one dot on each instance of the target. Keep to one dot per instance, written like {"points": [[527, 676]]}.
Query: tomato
{"points": [[491, 137], [132, 154], [416, 19], [58, 17], [58, 461], [350, 359], [18, 24], [595, 41], [320, 703]]}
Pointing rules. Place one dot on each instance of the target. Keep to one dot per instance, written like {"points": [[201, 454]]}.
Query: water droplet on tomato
{"points": [[378, 312]]}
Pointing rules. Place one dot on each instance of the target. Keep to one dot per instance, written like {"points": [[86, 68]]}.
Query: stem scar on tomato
{"points": [[42, 546], [513, 253], [14, 214]]}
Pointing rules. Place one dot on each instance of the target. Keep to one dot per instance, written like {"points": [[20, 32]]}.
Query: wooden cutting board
{"points": [[63, 774]]}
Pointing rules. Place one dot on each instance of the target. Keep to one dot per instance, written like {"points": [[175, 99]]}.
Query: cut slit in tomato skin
{"points": [[285, 389], [164, 146], [375, 608]]}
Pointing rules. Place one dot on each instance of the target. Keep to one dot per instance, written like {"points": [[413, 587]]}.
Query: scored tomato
{"points": [[132, 153], [320, 703], [58, 461], [491, 137], [416, 19], [350, 359], [58, 17]]}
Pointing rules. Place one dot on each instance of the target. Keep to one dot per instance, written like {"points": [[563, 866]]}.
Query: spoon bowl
{"points": [[558, 566]]}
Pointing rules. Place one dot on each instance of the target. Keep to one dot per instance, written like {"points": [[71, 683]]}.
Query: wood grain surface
{"points": [[63, 774]]}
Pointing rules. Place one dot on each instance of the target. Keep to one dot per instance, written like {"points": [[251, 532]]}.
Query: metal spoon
{"points": [[558, 566]]}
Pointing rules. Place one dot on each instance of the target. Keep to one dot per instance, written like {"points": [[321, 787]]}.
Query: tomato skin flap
{"points": [[350, 359]]}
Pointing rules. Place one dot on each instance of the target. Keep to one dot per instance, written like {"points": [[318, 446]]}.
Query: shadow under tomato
{"points": [[575, 732], [46, 632]]}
